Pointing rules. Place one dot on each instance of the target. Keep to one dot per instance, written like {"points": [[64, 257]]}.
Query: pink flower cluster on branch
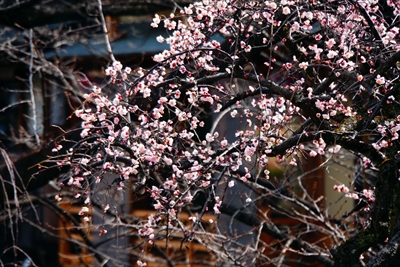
{"points": [[160, 124]]}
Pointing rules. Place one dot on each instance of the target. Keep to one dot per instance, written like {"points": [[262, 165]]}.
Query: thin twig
{"points": [[33, 103]]}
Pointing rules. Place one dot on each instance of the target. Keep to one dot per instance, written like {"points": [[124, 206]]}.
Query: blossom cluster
{"points": [[152, 127], [367, 194]]}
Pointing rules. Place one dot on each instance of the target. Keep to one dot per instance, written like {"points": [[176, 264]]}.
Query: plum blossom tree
{"points": [[297, 81]]}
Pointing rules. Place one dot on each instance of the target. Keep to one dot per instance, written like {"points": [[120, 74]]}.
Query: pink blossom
{"points": [[303, 65], [286, 10], [160, 39], [83, 210], [125, 132], [84, 161], [313, 153], [168, 161], [330, 43], [127, 70], [249, 151], [341, 188], [209, 138], [158, 58], [380, 80], [117, 66], [156, 21], [332, 54]]}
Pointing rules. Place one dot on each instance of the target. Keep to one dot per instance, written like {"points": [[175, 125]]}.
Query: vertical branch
{"points": [[10, 169], [104, 26], [108, 45], [33, 104], [283, 252], [7, 205]]}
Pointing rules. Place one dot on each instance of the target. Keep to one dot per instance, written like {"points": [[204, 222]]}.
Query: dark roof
{"points": [[137, 38]]}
